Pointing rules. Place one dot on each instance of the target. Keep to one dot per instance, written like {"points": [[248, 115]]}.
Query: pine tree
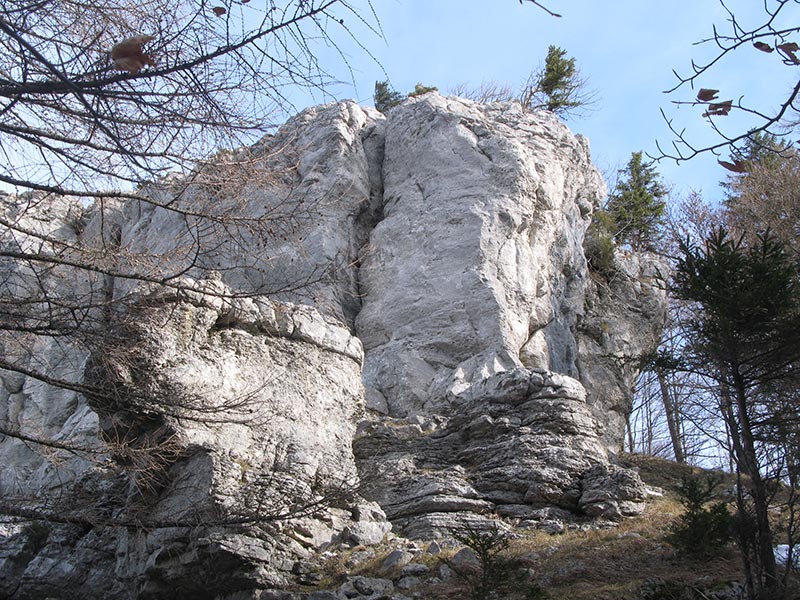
{"points": [[636, 206], [741, 325], [557, 87], [386, 98]]}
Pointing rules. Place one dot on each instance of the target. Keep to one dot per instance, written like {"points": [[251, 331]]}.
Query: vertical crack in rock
{"points": [[373, 139]]}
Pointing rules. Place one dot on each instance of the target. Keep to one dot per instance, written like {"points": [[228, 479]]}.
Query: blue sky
{"points": [[626, 49]]}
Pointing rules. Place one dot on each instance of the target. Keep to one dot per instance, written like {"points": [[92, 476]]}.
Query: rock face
{"points": [[396, 304], [623, 319], [28, 405], [521, 442], [214, 421], [477, 265]]}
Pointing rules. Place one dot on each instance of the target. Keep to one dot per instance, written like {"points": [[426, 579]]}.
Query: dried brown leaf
{"points": [[737, 166], [719, 109], [764, 47], [219, 11], [789, 49], [706, 95], [129, 56]]}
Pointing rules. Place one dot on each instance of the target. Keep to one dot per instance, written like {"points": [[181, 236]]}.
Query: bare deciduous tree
{"points": [[486, 92], [100, 97], [145, 107], [775, 38]]}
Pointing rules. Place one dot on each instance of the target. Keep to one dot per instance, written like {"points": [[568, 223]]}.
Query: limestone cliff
{"points": [[406, 329]]}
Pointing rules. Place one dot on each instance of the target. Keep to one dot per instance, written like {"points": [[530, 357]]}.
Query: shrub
{"points": [[599, 244], [706, 527], [494, 569], [420, 89]]}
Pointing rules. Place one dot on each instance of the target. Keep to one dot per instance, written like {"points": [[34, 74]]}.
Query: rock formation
{"points": [[404, 327]]}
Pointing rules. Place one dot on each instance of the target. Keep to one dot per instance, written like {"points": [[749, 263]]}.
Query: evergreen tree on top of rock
{"points": [[636, 205], [385, 97], [557, 86]]}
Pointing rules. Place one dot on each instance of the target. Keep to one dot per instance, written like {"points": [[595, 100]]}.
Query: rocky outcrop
{"points": [[521, 443], [477, 266], [623, 320], [392, 317], [292, 230], [211, 413]]}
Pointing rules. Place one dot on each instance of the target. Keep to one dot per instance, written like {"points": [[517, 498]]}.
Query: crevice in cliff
{"points": [[373, 140]]}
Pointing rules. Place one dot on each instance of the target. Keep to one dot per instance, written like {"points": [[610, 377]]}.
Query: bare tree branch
{"points": [[543, 7], [773, 37]]}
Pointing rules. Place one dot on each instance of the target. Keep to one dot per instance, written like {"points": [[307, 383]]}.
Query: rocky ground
{"points": [[557, 558]]}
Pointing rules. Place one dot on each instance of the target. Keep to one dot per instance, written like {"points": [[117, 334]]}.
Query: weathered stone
{"points": [[415, 569], [522, 440], [396, 560], [442, 247], [365, 586], [433, 548], [465, 560], [408, 582], [28, 405], [260, 389], [445, 572], [368, 526], [477, 266], [612, 492], [308, 202], [624, 318]]}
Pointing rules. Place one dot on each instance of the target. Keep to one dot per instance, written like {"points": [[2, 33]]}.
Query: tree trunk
{"points": [[672, 418], [758, 489], [746, 537], [631, 441]]}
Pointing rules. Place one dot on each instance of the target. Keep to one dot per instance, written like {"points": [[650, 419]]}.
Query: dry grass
{"points": [[613, 564], [597, 564], [605, 564]]}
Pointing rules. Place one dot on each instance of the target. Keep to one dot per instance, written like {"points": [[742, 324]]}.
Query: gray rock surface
{"points": [[293, 229], [228, 394], [522, 440], [427, 266], [28, 406], [623, 320], [477, 265]]}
